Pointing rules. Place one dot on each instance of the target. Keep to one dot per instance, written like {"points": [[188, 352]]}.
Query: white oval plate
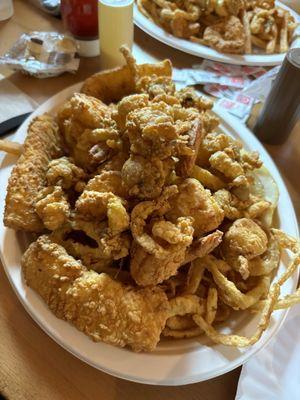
{"points": [[202, 51], [175, 362]]}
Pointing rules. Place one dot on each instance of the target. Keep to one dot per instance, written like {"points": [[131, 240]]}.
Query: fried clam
{"points": [[79, 113], [156, 255], [194, 201], [99, 306], [146, 177], [189, 98], [222, 8], [43, 143], [65, 173], [102, 199], [95, 243], [244, 241], [253, 207], [160, 247], [52, 207], [159, 129], [108, 181], [157, 133], [89, 131]]}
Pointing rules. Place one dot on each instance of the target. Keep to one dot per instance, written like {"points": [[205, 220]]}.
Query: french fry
{"points": [[207, 179], [242, 341], [11, 147], [194, 276], [186, 333], [271, 46], [180, 322], [246, 23], [258, 42], [284, 45], [187, 304], [211, 305]]}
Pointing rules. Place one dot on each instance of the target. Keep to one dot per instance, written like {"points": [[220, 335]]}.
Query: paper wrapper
{"points": [[43, 54], [237, 87]]}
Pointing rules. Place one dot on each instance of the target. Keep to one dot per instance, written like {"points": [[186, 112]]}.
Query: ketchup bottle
{"points": [[80, 18]]}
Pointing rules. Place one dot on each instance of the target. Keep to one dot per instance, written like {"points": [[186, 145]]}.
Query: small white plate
{"points": [[202, 51], [177, 362]]}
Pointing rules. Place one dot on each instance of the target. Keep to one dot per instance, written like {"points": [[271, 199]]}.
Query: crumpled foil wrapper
{"points": [[43, 54]]}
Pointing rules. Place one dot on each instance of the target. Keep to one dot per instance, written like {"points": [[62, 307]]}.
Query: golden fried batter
{"points": [[245, 237], [28, 177], [227, 36], [100, 307], [79, 113], [104, 205], [153, 262], [196, 202], [52, 207], [144, 177], [94, 242], [63, 172]]}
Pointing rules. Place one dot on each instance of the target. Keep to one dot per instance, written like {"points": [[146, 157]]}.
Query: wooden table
{"points": [[33, 366]]}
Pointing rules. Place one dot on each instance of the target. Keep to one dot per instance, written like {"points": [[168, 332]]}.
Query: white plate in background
{"points": [[154, 30]]}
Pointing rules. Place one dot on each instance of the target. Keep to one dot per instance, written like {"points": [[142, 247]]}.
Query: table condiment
{"points": [[282, 107], [115, 29], [81, 20]]}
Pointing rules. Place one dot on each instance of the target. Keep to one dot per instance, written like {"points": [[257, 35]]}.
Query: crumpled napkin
{"points": [[274, 373]]}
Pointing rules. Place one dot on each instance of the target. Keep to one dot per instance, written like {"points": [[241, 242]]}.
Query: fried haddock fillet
{"points": [[28, 177], [97, 305], [112, 85]]}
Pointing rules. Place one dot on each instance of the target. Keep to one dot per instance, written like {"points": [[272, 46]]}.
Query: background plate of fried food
{"points": [[151, 225], [225, 31]]}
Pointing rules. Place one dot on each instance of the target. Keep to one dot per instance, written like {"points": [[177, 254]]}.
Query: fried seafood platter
{"points": [[233, 27], [148, 222]]}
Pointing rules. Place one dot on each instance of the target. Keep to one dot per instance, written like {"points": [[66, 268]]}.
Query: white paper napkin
{"points": [[274, 374]]}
